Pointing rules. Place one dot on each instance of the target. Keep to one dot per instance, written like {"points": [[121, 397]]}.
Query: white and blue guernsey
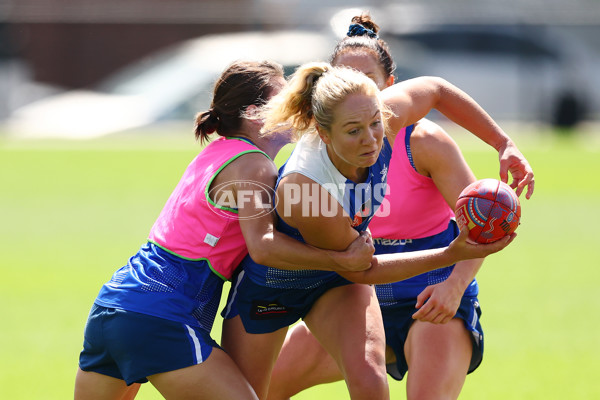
{"points": [[359, 200]]}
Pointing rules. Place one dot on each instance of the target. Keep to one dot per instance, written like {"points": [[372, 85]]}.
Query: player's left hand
{"points": [[359, 255], [438, 303], [511, 160]]}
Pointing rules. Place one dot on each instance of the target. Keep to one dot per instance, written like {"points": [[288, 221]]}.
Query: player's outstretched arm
{"points": [[396, 267], [410, 101]]}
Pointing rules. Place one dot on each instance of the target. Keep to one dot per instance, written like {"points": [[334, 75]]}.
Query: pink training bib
{"points": [[413, 207], [192, 226]]}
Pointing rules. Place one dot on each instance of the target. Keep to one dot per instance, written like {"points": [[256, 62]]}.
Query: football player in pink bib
{"points": [[152, 320]]}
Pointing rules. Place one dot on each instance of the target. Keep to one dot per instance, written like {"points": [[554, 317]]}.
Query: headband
{"points": [[359, 30]]}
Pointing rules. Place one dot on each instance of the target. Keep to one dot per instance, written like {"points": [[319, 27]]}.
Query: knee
{"points": [[366, 375], [424, 393], [368, 381], [429, 386]]}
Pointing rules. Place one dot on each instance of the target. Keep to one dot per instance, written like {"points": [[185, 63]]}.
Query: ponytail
{"points": [[311, 96], [207, 122], [242, 84], [293, 107]]}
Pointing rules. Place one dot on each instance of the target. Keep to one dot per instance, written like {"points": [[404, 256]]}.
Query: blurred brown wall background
{"points": [[75, 43]]}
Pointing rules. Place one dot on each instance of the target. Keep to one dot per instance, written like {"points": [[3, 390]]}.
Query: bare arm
{"points": [[412, 99], [437, 156], [320, 219], [250, 178], [438, 303], [400, 266]]}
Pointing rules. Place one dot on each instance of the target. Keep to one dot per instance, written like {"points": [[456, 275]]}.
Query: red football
{"points": [[490, 208]]}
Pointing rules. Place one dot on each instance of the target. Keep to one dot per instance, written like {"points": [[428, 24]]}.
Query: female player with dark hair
{"points": [[431, 321], [328, 191], [152, 320]]}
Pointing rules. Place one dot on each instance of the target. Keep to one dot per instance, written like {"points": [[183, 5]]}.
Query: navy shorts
{"points": [[397, 320], [264, 309], [132, 346]]}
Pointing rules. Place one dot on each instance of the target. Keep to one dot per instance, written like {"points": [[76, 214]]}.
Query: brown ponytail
{"points": [[207, 122], [242, 84]]}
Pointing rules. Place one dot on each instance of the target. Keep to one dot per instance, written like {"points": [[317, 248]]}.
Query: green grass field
{"points": [[73, 212]]}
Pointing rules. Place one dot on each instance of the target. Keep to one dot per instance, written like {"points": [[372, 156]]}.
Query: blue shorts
{"points": [[132, 346], [265, 309], [397, 320]]}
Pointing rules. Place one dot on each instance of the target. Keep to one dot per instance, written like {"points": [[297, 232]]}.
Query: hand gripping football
{"points": [[490, 208]]}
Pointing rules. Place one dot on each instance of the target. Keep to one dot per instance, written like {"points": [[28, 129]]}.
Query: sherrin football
{"points": [[490, 208]]}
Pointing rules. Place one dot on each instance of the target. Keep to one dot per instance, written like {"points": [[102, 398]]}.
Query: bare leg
{"points": [[132, 391], [255, 354], [302, 363], [94, 386], [438, 357], [216, 378], [347, 322]]}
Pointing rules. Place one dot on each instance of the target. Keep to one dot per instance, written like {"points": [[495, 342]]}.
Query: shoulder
{"points": [[429, 137], [429, 144], [411, 99], [250, 166]]}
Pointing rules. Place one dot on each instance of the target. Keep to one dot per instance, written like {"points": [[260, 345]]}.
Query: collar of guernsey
{"points": [[360, 200], [191, 225]]}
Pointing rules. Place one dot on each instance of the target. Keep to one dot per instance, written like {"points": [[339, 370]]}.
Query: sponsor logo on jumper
{"points": [[383, 173], [392, 242], [363, 214]]}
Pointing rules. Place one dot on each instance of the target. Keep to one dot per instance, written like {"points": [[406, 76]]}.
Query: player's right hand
{"points": [[462, 248], [511, 160]]}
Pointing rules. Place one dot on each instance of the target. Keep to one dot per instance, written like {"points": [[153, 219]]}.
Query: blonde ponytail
{"points": [[309, 99], [292, 107]]}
